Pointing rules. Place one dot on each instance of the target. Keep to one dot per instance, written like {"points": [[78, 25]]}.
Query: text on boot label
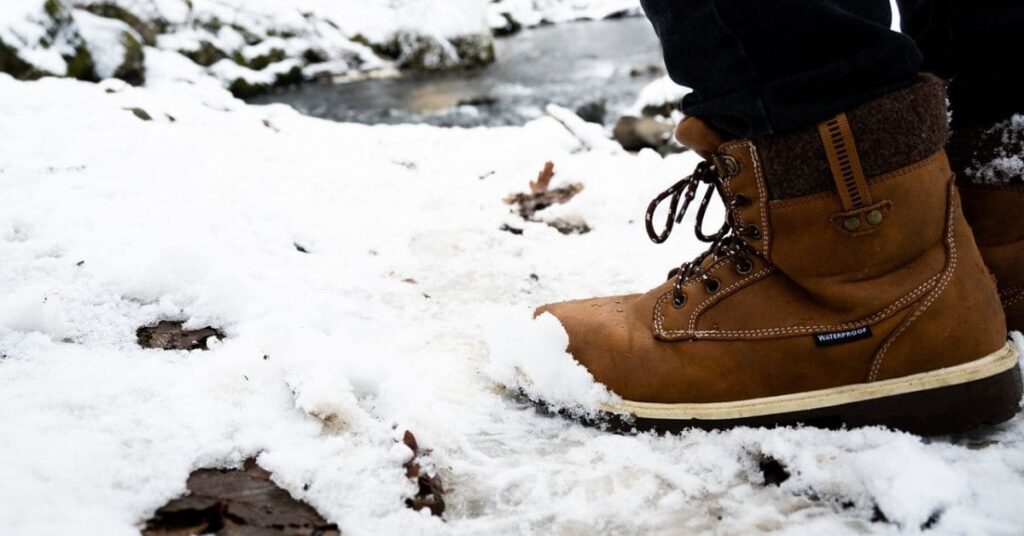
{"points": [[840, 337]]}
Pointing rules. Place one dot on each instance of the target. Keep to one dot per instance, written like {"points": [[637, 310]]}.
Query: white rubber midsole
{"points": [[990, 365]]}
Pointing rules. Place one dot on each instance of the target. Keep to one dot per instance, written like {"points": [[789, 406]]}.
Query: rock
{"points": [[148, 28], [140, 113], [478, 100], [257, 63], [116, 47], [593, 112], [510, 27], [648, 70], [206, 54], [53, 45], [421, 52], [635, 133], [133, 67], [13, 65]]}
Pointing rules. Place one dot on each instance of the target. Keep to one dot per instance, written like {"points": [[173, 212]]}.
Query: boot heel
{"points": [[945, 410]]}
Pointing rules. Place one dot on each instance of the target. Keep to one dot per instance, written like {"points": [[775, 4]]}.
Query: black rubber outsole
{"points": [[941, 411]]}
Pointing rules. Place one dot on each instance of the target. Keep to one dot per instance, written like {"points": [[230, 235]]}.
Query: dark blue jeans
{"points": [[764, 66]]}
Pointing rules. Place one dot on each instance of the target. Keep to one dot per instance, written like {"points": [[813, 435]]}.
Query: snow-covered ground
{"points": [[110, 222]]}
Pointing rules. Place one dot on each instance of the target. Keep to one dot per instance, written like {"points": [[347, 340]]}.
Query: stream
{"points": [[598, 65]]}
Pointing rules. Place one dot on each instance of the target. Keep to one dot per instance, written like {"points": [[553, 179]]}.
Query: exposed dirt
{"points": [[431, 490], [541, 197], [237, 502], [171, 335]]}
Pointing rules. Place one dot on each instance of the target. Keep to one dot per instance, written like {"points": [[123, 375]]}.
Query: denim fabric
{"points": [[760, 67]]}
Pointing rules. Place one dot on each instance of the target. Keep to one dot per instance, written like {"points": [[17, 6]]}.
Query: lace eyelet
{"points": [[679, 300], [727, 166], [744, 266], [712, 285], [742, 200], [754, 231]]}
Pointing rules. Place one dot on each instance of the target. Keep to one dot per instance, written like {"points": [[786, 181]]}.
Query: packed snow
{"points": [[405, 311]]}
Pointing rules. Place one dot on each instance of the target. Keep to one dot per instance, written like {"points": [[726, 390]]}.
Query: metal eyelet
{"points": [[744, 266], [679, 300], [754, 231], [742, 200], [727, 166], [712, 285]]}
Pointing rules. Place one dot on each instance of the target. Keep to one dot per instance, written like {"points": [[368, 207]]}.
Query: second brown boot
{"points": [[845, 288], [990, 162]]}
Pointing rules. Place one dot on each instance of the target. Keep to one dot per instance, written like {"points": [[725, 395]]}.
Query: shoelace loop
{"points": [[727, 241]]}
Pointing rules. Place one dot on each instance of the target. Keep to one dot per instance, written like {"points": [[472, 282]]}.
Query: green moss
{"points": [[206, 55], [81, 65], [147, 29], [13, 65], [133, 68], [293, 76], [242, 88], [260, 62], [511, 27], [53, 8]]}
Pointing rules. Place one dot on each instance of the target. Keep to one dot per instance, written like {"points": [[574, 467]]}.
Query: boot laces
{"points": [[725, 242]]}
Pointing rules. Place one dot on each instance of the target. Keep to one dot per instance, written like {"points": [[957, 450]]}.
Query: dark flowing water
{"points": [[568, 64]]}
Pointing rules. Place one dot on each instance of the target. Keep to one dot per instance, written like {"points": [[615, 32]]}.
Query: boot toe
{"points": [[599, 335]]}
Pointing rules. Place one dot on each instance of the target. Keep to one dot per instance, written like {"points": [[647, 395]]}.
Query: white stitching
{"points": [[800, 330], [718, 296], [930, 299]]}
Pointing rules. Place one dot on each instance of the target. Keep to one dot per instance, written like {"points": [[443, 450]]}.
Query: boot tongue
{"points": [[694, 133]]}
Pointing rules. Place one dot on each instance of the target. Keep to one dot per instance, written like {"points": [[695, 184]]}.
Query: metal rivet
{"points": [[874, 217], [852, 223], [679, 300]]}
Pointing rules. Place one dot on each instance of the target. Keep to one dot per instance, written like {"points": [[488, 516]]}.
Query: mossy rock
{"points": [[511, 27], [206, 55], [474, 50], [148, 29], [81, 65], [290, 77], [13, 65], [244, 89], [262, 61], [133, 68]]}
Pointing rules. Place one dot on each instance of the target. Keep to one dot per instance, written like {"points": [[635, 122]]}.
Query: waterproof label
{"points": [[840, 337]]}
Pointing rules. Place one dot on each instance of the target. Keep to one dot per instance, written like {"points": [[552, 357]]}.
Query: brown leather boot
{"points": [[845, 288], [989, 161]]}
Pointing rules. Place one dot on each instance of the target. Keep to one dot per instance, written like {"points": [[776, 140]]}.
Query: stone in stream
{"points": [[171, 335], [593, 111], [635, 133], [234, 502]]}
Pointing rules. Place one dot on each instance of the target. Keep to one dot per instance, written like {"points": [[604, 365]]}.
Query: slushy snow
{"points": [[385, 324]]}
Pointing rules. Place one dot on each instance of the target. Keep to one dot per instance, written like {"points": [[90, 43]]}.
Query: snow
{"points": [[1006, 165], [409, 305], [105, 40], [657, 94], [536, 12], [530, 356]]}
